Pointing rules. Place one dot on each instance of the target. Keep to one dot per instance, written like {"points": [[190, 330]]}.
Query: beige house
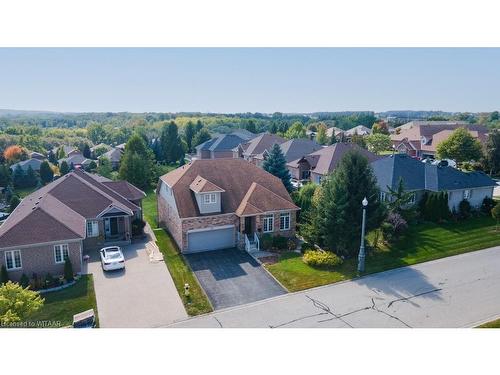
{"points": [[224, 203]]}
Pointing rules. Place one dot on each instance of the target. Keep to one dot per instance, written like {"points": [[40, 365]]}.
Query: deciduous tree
{"points": [[460, 146], [297, 130], [378, 142], [17, 303]]}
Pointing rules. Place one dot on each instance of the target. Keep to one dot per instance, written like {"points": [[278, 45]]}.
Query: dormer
{"points": [[208, 195]]}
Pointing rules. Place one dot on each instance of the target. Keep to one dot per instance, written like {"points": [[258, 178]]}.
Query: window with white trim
{"points": [[285, 221], [268, 223], [61, 253], [13, 260], [209, 198], [92, 228], [466, 194]]}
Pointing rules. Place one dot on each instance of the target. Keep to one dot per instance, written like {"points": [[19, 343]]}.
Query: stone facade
{"points": [[40, 259]]}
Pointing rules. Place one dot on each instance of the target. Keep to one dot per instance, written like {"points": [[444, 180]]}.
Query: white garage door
{"points": [[214, 239]]}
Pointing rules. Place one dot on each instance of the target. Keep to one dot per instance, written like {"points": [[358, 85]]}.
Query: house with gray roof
{"points": [[421, 177], [114, 156], [75, 214], [222, 145], [292, 149], [76, 159], [263, 142], [25, 164]]}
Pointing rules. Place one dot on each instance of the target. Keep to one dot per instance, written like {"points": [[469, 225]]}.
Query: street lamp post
{"points": [[361, 256]]}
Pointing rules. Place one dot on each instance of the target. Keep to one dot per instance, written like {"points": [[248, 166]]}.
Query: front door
{"points": [[248, 225], [113, 222]]}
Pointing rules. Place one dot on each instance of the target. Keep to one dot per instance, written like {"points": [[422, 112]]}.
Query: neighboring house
{"points": [[420, 177], [114, 156], [421, 138], [37, 155], [359, 130], [25, 164], [256, 146], [224, 203], [103, 146], [292, 149], [318, 164], [334, 130], [221, 146], [76, 159], [77, 213], [67, 149]]}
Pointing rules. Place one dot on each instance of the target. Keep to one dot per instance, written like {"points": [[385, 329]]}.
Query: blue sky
{"points": [[249, 80]]}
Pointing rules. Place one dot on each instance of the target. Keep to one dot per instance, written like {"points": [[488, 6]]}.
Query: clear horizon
{"points": [[239, 80]]}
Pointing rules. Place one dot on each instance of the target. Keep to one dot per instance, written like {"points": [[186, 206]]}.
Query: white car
{"points": [[112, 258]]}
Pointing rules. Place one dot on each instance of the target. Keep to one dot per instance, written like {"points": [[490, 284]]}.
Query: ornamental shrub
{"points": [[68, 270], [280, 243], [24, 281], [487, 205], [291, 244], [266, 242], [4, 276], [321, 259], [138, 227], [464, 209]]}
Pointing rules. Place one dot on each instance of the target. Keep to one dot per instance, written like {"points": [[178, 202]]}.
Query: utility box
{"points": [[85, 319]]}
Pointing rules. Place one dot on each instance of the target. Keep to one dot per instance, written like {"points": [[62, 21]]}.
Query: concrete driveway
{"points": [[232, 277], [141, 296], [458, 291]]}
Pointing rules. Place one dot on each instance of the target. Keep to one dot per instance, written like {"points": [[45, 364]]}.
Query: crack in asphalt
{"points": [[404, 299], [326, 310]]}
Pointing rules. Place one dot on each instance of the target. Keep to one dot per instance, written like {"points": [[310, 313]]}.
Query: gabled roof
{"points": [[125, 189], [202, 185], [58, 211], [360, 130], [259, 200], [76, 159], [424, 176], [25, 164], [295, 149], [114, 155], [235, 176], [226, 142], [324, 161], [333, 130], [260, 143]]}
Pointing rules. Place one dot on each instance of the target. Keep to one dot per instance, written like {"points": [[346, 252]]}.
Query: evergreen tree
{"points": [[68, 270], [276, 165], [31, 177], [64, 168], [5, 178], [201, 136], [273, 129], [137, 165], [171, 145], [46, 173], [52, 157], [8, 193], [333, 139], [18, 178], [4, 276], [340, 211], [199, 126], [60, 153], [250, 126], [104, 168], [189, 133], [14, 202], [86, 151]]}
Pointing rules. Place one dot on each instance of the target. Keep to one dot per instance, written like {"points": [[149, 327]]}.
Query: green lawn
{"points": [[492, 324], [60, 306], [181, 272], [423, 242], [197, 303], [149, 208]]}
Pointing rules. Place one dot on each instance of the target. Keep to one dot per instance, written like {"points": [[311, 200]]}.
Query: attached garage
{"points": [[211, 239]]}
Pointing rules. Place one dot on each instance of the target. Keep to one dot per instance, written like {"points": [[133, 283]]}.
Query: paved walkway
{"points": [[459, 291], [142, 296]]}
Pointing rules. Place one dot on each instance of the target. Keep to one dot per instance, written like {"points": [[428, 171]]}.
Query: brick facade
{"points": [[204, 222], [41, 260], [169, 219]]}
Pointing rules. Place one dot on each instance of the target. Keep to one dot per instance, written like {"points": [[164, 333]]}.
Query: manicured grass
{"points": [[60, 306], [149, 209], [423, 242], [492, 324], [197, 303]]}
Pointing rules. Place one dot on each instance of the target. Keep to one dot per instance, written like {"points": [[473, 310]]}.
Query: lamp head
{"points": [[365, 202]]}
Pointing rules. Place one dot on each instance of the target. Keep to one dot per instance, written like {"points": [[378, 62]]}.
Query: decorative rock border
{"points": [[61, 287]]}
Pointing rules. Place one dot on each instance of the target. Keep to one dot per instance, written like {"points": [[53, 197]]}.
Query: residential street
{"points": [[459, 291]]}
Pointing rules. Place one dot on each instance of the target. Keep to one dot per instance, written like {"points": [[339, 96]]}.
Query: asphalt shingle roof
{"points": [[424, 176]]}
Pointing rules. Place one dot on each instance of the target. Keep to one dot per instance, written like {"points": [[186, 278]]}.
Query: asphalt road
{"points": [[459, 291], [232, 277]]}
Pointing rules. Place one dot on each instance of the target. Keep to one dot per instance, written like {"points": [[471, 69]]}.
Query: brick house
{"points": [[77, 213], [224, 203]]}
